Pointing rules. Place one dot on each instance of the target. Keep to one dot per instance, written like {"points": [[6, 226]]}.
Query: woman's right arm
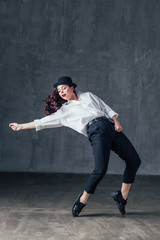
{"points": [[17, 126], [51, 121]]}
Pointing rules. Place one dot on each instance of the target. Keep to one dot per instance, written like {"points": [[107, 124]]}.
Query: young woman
{"points": [[89, 115]]}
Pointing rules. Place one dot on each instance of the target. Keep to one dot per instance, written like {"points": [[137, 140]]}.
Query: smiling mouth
{"points": [[63, 95]]}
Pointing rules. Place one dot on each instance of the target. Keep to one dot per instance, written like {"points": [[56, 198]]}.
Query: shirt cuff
{"points": [[112, 113], [38, 124]]}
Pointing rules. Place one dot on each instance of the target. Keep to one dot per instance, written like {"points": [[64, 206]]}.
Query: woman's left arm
{"points": [[117, 124], [107, 110]]}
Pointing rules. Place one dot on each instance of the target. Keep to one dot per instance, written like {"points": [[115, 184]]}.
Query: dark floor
{"points": [[38, 206]]}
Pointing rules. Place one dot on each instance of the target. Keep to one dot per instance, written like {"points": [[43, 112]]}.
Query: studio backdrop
{"points": [[109, 47]]}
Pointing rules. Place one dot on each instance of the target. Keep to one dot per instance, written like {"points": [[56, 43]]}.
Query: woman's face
{"points": [[65, 91]]}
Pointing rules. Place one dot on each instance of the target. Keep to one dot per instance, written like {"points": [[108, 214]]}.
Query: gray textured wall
{"points": [[108, 47]]}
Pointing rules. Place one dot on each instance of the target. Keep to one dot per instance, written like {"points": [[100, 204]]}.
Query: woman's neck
{"points": [[73, 97]]}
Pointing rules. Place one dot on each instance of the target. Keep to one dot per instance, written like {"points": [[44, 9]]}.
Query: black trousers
{"points": [[104, 138]]}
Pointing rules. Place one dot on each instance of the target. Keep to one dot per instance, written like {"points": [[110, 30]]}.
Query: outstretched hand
{"points": [[15, 126]]}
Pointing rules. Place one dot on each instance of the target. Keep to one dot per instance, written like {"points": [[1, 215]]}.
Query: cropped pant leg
{"points": [[124, 148], [101, 141]]}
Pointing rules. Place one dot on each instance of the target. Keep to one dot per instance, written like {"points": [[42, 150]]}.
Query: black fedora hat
{"points": [[65, 80]]}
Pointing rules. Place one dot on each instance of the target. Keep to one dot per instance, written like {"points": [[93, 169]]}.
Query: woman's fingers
{"points": [[13, 126], [118, 128]]}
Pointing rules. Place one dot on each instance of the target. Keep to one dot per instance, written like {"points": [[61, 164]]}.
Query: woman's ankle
{"points": [[84, 197]]}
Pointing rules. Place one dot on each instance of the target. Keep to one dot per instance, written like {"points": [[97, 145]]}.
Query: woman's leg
{"points": [[124, 148], [101, 140], [101, 149]]}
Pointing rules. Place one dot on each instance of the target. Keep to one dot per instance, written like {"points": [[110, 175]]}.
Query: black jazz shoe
{"points": [[121, 202], [77, 207]]}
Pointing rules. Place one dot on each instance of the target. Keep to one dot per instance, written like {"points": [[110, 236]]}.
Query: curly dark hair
{"points": [[53, 102]]}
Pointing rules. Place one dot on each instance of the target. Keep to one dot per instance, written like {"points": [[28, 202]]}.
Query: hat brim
{"points": [[69, 84]]}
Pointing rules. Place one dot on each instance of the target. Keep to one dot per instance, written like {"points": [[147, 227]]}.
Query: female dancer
{"points": [[89, 115]]}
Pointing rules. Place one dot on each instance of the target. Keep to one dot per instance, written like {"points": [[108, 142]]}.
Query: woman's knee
{"points": [[139, 162], [101, 171], [136, 162]]}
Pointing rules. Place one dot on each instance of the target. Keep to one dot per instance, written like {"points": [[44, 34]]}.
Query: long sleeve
{"points": [[51, 121], [103, 106]]}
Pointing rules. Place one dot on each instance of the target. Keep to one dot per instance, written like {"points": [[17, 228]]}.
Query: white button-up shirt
{"points": [[76, 114]]}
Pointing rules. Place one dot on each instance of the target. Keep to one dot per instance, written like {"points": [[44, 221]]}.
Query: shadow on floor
{"points": [[134, 213]]}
